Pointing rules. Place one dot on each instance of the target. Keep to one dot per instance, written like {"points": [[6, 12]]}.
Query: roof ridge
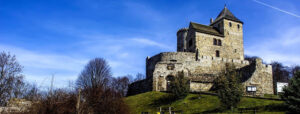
{"points": [[226, 14], [205, 29]]}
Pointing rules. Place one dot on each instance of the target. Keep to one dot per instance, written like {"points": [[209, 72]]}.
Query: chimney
{"points": [[211, 20]]}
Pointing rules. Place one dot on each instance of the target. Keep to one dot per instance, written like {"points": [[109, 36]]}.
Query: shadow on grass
{"points": [[276, 107], [268, 108], [165, 100]]}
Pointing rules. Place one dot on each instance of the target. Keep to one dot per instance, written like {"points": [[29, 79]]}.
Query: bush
{"points": [[104, 101], [291, 94], [58, 102], [180, 87], [228, 87]]}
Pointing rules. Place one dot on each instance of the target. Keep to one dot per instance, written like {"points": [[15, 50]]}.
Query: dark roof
{"points": [[226, 14], [205, 29]]}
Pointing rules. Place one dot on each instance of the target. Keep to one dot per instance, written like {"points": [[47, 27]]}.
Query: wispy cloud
{"points": [[38, 67], [148, 42], [43, 60], [283, 48], [144, 11], [278, 9]]}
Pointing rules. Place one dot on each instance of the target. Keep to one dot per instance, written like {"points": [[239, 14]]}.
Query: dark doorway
{"points": [[169, 80]]}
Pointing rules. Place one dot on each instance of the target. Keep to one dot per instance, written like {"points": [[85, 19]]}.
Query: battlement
{"points": [[224, 60], [180, 57], [182, 30], [189, 56]]}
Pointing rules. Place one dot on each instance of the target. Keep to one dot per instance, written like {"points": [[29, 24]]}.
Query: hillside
{"points": [[195, 103]]}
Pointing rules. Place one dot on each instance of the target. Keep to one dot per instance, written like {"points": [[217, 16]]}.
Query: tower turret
{"points": [[232, 29], [181, 39]]}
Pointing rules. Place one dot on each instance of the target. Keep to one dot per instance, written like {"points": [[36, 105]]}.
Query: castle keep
{"points": [[202, 53]]}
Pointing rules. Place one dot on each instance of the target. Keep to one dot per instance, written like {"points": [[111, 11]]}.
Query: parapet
{"points": [[174, 56], [182, 30], [224, 60], [178, 56]]}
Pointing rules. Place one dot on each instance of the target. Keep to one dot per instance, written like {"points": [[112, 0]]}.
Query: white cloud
{"points": [[144, 11], [148, 42], [40, 66], [43, 60], [284, 48]]}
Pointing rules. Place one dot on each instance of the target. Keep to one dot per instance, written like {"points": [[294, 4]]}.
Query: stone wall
{"points": [[139, 87], [202, 70], [261, 77], [234, 39], [232, 43], [199, 86], [15, 105]]}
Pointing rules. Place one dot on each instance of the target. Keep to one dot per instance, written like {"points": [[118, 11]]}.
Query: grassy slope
{"points": [[194, 103]]}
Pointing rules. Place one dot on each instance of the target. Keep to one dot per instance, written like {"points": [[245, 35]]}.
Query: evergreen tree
{"points": [[180, 87], [291, 94], [228, 87]]}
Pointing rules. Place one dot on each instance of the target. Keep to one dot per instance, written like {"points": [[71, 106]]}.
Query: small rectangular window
{"points": [[217, 53], [190, 42]]}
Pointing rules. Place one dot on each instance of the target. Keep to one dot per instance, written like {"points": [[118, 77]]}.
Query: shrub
{"points": [[58, 102], [104, 101], [291, 94], [228, 87], [180, 87]]}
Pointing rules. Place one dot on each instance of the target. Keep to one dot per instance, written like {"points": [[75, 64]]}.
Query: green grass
{"points": [[194, 103], [271, 96]]}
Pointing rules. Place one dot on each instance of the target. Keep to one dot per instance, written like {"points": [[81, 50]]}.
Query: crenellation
{"points": [[203, 51]]}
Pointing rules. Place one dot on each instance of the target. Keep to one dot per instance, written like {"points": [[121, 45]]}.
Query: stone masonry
{"points": [[202, 53]]}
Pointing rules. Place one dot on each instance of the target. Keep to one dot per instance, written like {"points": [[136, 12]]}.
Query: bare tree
{"points": [[95, 74], [19, 87], [101, 93], [139, 76], [11, 80], [280, 74], [32, 93], [120, 84]]}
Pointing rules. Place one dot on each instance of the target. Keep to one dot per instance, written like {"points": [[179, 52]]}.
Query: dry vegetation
{"points": [[95, 91]]}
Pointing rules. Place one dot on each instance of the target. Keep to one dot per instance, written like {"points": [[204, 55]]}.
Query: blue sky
{"points": [[58, 37]]}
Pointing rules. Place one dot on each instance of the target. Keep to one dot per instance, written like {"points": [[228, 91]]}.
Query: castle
{"points": [[202, 53]]}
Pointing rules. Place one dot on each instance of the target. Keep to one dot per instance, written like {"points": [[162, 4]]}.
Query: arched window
{"points": [[169, 80], [217, 53], [230, 24], [215, 41], [219, 43], [238, 26]]}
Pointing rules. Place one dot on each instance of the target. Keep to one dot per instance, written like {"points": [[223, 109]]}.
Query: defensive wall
{"points": [[202, 70]]}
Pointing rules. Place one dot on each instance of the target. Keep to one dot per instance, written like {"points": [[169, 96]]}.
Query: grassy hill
{"points": [[195, 103]]}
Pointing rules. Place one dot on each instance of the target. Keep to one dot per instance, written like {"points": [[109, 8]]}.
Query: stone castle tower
{"points": [[222, 38], [202, 53]]}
